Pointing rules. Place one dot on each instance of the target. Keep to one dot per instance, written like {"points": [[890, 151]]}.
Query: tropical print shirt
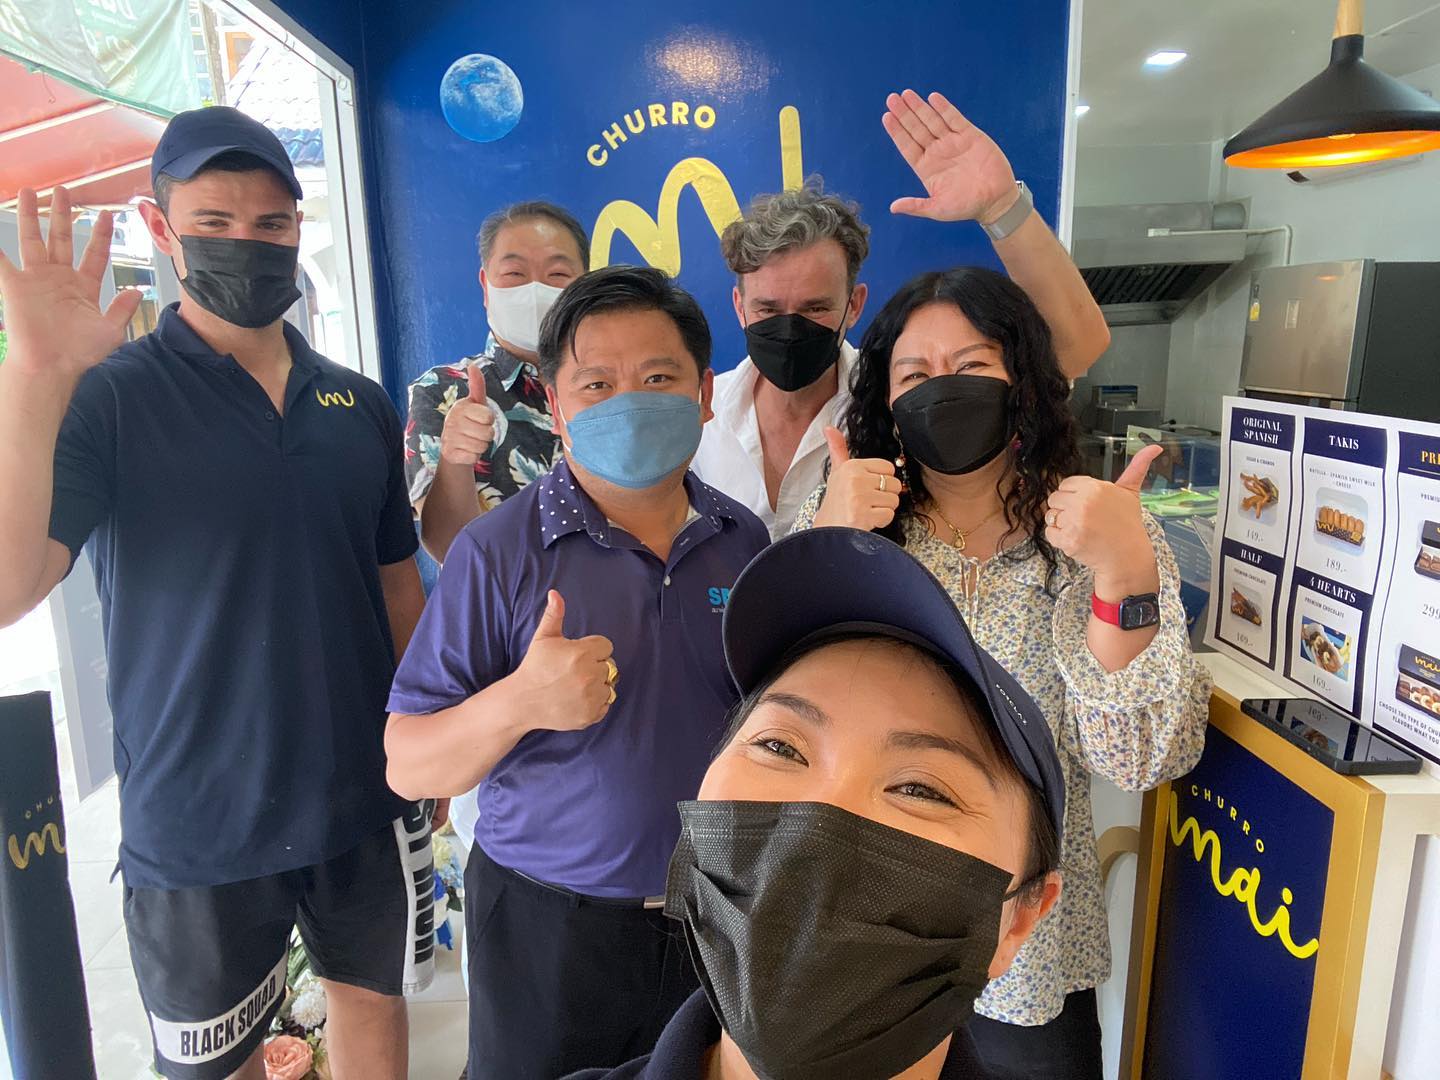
{"points": [[524, 446]]}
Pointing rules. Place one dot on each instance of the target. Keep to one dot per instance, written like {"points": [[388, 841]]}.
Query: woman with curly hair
{"points": [[959, 445]]}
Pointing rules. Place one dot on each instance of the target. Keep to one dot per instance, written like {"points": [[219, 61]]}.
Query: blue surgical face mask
{"points": [[637, 439]]}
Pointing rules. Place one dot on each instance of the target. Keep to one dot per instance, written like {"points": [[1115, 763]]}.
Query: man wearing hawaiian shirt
{"points": [[480, 430]]}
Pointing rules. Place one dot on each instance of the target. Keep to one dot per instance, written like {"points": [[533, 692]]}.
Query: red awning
{"points": [[52, 133]]}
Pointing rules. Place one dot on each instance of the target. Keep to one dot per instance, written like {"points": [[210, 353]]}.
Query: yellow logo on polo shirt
{"points": [[347, 399]]}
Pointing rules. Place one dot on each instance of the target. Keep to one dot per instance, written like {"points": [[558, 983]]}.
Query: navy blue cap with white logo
{"points": [[828, 581], [192, 139]]}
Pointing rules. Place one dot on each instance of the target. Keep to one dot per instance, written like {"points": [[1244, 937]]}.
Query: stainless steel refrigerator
{"points": [[1359, 334]]}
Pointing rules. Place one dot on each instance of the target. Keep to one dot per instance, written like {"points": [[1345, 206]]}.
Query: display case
{"points": [[1190, 457], [1180, 491]]}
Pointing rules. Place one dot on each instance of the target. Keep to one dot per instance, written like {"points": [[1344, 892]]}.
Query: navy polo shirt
{"points": [[594, 810], [686, 1042], [237, 553]]}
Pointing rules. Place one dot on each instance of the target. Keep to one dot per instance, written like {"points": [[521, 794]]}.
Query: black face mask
{"points": [[828, 944], [791, 350], [954, 423], [248, 283]]}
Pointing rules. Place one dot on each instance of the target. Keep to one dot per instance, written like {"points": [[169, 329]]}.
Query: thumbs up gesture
{"points": [[863, 493], [469, 425], [567, 685], [1098, 524]]}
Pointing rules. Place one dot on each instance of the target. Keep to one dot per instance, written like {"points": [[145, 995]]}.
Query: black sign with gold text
{"points": [[42, 987], [1238, 935]]}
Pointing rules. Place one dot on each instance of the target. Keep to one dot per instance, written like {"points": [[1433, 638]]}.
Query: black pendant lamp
{"points": [[1348, 114]]}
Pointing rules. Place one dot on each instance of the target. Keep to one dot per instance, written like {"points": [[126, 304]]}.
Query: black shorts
{"points": [[560, 982], [211, 961]]}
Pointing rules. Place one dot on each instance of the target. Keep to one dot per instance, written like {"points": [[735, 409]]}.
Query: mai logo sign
{"points": [[38, 842]]}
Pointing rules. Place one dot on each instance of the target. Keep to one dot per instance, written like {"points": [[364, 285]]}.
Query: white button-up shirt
{"points": [[731, 457]]}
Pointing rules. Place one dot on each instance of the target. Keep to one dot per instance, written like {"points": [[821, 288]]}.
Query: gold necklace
{"points": [[958, 543]]}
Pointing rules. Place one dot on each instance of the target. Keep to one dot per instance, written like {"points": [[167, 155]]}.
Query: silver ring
{"points": [[882, 482]]}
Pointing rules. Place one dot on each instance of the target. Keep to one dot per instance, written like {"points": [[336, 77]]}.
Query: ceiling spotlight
{"points": [[1165, 58]]}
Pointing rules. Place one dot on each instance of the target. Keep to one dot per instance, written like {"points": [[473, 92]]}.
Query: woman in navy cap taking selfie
{"points": [[876, 838]]}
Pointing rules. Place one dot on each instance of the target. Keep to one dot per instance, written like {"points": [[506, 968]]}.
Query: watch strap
{"points": [[1013, 218], [1105, 612]]}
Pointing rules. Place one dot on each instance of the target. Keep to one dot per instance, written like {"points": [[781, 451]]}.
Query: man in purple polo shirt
{"points": [[570, 662]]}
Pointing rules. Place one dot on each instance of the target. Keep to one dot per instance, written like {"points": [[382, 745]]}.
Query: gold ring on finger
{"points": [[1052, 517], [611, 701], [611, 673], [882, 482]]}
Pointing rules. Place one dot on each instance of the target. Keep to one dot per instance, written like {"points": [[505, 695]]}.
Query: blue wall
{"points": [[338, 24], [583, 67]]}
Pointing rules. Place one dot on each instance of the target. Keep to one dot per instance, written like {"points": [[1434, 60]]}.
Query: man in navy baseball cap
{"points": [[194, 139], [876, 838], [244, 505]]}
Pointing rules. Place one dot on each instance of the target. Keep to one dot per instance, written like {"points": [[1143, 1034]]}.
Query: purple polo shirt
{"points": [[592, 810]]}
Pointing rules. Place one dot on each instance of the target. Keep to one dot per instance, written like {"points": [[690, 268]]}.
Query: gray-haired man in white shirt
{"points": [[796, 257]]}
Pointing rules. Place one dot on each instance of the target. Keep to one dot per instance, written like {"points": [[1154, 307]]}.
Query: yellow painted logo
{"points": [[327, 399], [35, 844], [658, 241], [652, 116], [1242, 884]]}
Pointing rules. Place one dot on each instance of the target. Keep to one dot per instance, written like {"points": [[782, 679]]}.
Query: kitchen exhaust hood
{"points": [[1145, 264]]}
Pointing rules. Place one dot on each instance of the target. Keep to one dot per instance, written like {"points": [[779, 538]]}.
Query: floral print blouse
{"points": [[524, 446], [1136, 727]]}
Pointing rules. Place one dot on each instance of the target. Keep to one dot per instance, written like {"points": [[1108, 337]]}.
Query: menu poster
{"points": [[1407, 690], [1337, 560], [1255, 508], [1327, 571]]}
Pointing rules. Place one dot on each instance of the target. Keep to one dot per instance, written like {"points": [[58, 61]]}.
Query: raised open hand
{"points": [[52, 308], [967, 176]]}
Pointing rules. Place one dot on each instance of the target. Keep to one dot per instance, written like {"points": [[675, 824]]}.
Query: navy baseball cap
{"points": [[828, 581], [192, 139]]}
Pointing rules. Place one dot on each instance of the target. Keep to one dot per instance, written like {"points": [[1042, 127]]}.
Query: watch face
{"points": [[1137, 612]]}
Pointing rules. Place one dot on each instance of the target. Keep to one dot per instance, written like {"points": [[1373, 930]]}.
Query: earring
{"points": [[900, 469]]}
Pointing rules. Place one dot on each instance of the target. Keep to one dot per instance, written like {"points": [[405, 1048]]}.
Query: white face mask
{"points": [[515, 313]]}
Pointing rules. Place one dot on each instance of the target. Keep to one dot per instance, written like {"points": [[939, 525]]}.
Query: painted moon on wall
{"points": [[481, 98]]}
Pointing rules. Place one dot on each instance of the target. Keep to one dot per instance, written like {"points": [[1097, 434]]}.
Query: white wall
{"points": [[1121, 175], [1114, 807], [1413, 1045]]}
